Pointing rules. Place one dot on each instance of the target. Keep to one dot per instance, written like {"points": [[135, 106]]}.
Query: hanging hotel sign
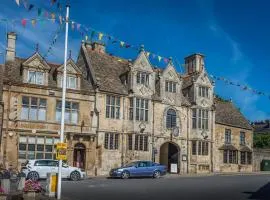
{"points": [[61, 151]]}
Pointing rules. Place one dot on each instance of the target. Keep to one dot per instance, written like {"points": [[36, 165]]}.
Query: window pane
{"points": [[31, 147], [59, 104], [33, 113], [31, 140], [42, 114], [49, 140], [22, 155], [67, 105], [39, 78], [48, 155], [22, 147], [48, 148], [40, 147], [25, 101], [31, 155], [72, 83], [67, 117], [42, 102], [23, 139], [39, 156], [24, 113], [74, 117], [75, 106]]}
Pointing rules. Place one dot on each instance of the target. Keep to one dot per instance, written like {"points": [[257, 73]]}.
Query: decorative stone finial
{"points": [[141, 48], [70, 54], [37, 47]]}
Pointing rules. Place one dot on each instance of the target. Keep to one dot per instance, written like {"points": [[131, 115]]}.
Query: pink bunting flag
{"points": [[24, 22], [166, 60]]}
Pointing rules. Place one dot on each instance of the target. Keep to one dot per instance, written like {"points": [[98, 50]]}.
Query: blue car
{"points": [[139, 169]]}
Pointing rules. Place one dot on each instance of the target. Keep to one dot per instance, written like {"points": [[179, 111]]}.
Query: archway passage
{"points": [[169, 154], [79, 155]]}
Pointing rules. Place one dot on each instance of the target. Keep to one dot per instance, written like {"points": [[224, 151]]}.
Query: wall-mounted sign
{"points": [[174, 168], [184, 157]]}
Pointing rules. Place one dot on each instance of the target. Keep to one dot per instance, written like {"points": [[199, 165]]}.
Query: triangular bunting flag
{"points": [[33, 21], [72, 25], [122, 43], [100, 35], [39, 11], [86, 38], [166, 60], [30, 7], [147, 54], [52, 15], [60, 19], [78, 26], [25, 4], [18, 2], [159, 58], [24, 22]]}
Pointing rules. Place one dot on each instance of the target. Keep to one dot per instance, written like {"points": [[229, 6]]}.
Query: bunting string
{"points": [[243, 87]]}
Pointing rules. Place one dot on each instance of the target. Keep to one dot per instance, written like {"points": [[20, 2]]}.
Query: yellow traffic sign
{"points": [[61, 151]]}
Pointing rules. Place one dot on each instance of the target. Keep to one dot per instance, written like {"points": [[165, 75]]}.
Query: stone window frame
{"points": [[138, 142], [230, 156], [37, 144], [111, 141], [69, 110], [203, 91], [242, 138], [69, 76], [178, 120], [30, 106], [170, 86], [171, 119], [139, 113], [228, 136], [245, 158], [113, 108], [201, 118], [30, 70], [201, 148], [142, 78]]}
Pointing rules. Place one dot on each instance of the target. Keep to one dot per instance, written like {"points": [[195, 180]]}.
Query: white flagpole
{"points": [[63, 107]]}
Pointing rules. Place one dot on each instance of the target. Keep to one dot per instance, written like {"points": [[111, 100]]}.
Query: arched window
{"points": [[171, 118]]}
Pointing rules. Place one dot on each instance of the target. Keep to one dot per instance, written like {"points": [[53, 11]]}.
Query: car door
{"points": [[149, 168], [142, 168], [42, 168]]}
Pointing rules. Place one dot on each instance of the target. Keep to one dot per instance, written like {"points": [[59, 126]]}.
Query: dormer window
{"points": [[143, 78], [170, 86], [71, 82], [204, 91], [35, 77]]}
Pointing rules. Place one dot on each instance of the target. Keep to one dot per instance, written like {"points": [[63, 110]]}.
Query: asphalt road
{"points": [[170, 188]]}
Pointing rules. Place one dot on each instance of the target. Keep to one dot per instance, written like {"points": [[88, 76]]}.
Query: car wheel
{"points": [[33, 176], [125, 175], [75, 176], [156, 174]]}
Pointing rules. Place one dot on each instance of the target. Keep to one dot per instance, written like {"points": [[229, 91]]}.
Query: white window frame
{"points": [[139, 78], [35, 77], [69, 77], [170, 86]]}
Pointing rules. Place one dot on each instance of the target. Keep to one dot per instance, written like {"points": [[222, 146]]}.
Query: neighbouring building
{"points": [[117, 111], [233, 139]]}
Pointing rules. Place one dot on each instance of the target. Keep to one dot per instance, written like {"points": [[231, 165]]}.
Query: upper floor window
{"points": [[170, 86], [141, 143], [35, 77], [71, 112], [200, 148], [204, 91], [242, 138], [230, 156], [111, 141], [171, 119], [112, 107], [228, 136], [141, 109], [143, 78], [71, 82], [200, 119], [33, 108]]}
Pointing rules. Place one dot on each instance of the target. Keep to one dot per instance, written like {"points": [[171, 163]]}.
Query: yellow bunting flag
{"points": [[33, 21], [100, 35], [122, 43], [52, 15], [159, 58]]}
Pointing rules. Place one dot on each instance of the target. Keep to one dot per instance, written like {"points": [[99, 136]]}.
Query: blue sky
{"points": [[233, 35]]}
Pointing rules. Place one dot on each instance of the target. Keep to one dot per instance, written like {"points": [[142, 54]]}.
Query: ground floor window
{"points": [[246, 158], [200, 148], [37, 147], [140, 142], [230, 156], [111, 141]]}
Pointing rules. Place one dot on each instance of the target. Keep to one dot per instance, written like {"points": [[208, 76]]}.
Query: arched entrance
{"points": [[169, 154], [79, 155]]}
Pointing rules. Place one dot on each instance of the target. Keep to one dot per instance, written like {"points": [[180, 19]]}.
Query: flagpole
{"points": [[59, 185]]}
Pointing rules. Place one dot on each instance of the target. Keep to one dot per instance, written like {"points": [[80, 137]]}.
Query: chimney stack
{"points": [[11, 45], [194, 63]]}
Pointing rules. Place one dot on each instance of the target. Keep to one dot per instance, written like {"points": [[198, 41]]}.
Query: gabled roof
{"points": [[228, 114], [107, 71]]}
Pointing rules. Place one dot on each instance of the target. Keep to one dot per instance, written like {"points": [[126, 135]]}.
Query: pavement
{"points": [[237, 186]]}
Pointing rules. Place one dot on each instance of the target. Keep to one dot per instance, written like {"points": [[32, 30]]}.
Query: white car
{"points": [[38, 169]]}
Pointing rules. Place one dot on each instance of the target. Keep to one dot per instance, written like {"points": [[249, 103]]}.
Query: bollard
{"points": [[51, 185], [21, 183]]}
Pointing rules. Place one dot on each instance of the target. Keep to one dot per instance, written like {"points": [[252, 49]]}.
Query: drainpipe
{"points": [[6, 130], [97, 128], [188, 156], [2, 123], [153, 139], [122, 134], [212, 142]]}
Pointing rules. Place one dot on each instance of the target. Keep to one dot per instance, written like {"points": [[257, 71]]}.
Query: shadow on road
{"points": [[262, 194]]}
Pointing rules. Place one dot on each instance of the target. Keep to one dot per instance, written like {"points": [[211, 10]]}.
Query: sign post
{"points": [[59, 183]]}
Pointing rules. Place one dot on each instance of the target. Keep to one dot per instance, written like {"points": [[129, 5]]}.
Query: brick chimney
{"points": [[194, 63], [11, 46]]}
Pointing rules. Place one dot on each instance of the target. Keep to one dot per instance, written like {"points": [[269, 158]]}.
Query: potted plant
{"points": [[31, 189]]}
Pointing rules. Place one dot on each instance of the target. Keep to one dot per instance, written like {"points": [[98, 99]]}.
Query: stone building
{"points": [[117, 111], [233, 139]]}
